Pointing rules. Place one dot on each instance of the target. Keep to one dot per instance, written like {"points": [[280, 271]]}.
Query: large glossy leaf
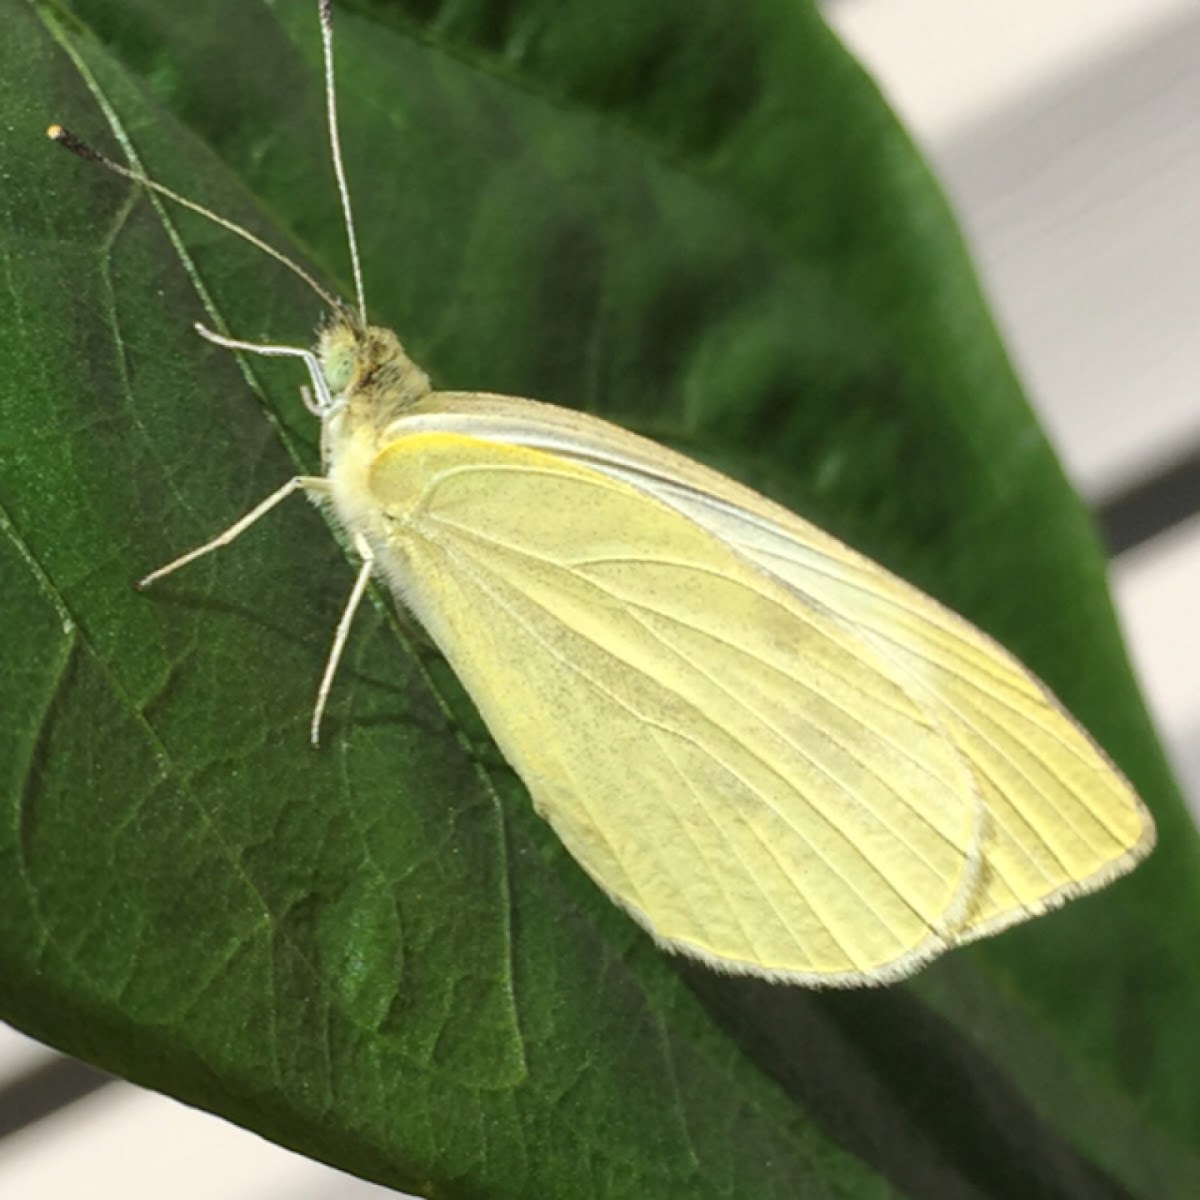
{"points": [[696, 217]]}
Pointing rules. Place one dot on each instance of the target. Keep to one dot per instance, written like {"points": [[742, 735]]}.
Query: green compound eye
{"points": [[338, 370]]}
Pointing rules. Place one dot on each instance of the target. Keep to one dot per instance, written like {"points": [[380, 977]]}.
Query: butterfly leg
{"points": [[324, 402], [313, 484], [306, 398], [342, 633]]}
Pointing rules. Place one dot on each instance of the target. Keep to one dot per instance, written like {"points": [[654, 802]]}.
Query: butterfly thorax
{"points": [[371, 382]]}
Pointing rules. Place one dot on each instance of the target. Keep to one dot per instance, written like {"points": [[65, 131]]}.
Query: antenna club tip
{"points": [[63, 137]]}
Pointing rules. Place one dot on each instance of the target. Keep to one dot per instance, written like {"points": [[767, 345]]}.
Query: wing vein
{"points": [[829, 821], [656, 725]]}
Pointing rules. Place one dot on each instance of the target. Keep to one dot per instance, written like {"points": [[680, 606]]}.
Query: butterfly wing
{"points": [[1061, 819], [733, 764]]}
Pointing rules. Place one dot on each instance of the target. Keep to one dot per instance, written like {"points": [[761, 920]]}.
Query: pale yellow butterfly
{"points": [[776, 756]]}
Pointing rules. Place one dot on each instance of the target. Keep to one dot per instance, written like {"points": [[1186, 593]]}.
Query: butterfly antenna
{"points": [[77, 146], [335, 147]]}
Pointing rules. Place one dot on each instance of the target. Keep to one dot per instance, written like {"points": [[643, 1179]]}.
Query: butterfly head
{"points": [[369, 376]]}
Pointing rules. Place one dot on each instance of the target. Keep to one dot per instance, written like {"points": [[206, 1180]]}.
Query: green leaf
{"points": [[700, 219]]}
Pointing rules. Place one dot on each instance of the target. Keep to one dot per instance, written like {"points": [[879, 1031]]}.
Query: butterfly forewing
{"points": [[736, 767], [1060, 818]]}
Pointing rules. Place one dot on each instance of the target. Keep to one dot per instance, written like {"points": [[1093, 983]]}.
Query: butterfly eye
{"points": [[338, 366]]}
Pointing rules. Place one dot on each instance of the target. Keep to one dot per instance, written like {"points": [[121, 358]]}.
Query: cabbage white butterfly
{"points": [[776, 756]]}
